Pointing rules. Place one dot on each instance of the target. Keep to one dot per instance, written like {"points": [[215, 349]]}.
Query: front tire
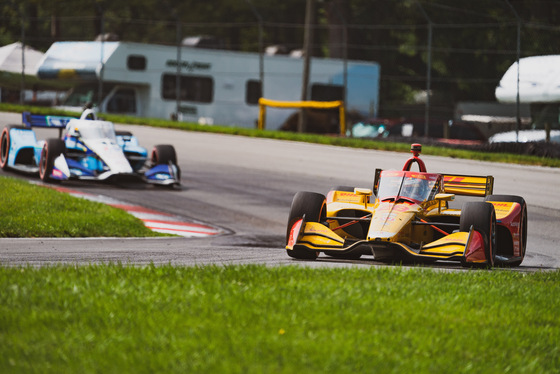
{"points": [[314, 207], [51, 150], [163, 154], [482, 217], [522, 229]]}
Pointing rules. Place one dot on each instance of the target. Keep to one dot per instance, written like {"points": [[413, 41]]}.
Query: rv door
{"points": [[122, 101]]}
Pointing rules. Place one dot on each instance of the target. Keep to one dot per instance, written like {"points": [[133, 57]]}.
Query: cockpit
{"points": [[415, 186], [86, 129]]}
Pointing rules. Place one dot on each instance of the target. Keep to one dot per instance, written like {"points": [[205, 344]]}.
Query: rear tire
{"points": [[5, 144], [314, 207], [482, 217], [523, 228], [51, 150]]}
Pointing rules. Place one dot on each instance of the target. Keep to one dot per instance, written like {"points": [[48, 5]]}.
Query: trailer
{"points": [[534, 81], [202, 85]]}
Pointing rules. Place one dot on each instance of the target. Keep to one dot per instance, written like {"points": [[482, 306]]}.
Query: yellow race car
{"points": [[407, 217]]}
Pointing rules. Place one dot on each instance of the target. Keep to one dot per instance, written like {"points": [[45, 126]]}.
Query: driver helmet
{"points": [[415, 188]]}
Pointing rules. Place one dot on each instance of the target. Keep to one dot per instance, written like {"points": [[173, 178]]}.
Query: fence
{"points": [[426, 67]]}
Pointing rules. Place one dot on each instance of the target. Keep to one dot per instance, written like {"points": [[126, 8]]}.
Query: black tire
{"points": [[523, 229], [482, 216], [5, 143], [314, 207], [163, 154], [51, 150]]}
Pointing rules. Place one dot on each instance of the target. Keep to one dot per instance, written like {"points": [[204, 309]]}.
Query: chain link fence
{"points": [[426, 68]]}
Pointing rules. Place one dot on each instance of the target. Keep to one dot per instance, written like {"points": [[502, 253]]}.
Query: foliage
{"points": [[472, 43]]}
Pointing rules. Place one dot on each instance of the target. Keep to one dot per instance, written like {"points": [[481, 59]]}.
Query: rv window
{"points": [[136, 62], [253, 92], [123, 101], [193, 88], [326, 92]]}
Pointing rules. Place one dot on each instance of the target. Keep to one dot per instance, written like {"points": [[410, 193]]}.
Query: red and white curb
{"points": [[154, 220]]}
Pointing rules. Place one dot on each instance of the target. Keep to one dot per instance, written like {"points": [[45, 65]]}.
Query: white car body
{"points": [[525, 136]]}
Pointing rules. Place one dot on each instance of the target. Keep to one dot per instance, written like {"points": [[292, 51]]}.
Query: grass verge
{"points": [[255, 319], [309, 138], [29, 211]]}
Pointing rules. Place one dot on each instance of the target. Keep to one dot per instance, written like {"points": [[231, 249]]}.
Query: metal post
{"points": [[307, 42], [178, 77], [22, 88], [428, 72], [261, 57], [261, 47], [428, 83], [518, 99], [100, 88], [345, 63]]}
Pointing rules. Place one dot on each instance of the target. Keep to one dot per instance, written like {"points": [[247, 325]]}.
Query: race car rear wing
{"points": [[39, 120], [468, 185]]}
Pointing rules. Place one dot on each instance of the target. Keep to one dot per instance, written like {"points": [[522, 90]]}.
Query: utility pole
{"points": [[178, 76], [428, 71], [261, 47], [517, 100], [307, 44], [22, 90], [102, 68]]}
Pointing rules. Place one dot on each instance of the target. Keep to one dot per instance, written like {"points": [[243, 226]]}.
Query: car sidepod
{"points": [[134, 153], [19, 149], [511, 228]]}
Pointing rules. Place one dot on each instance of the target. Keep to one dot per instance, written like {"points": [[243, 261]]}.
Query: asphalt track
{"points": [[245, 186]]}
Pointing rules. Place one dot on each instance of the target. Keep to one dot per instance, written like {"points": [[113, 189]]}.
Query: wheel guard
{"points": [[60, 170], [458, 246], [162, 174]]}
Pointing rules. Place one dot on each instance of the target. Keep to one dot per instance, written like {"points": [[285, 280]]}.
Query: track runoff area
{"points": [[153, 219]]}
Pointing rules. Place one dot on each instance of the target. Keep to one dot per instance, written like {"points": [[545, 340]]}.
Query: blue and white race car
{"points": [[87, 148]]}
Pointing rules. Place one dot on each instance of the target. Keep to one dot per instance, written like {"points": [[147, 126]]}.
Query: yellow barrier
{"points": [[263, 103]]}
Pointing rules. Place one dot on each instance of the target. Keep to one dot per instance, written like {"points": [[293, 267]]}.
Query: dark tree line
{"points": [[470, 43]]}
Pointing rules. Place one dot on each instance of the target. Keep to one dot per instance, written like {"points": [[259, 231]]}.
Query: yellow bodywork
{"points": [[390, 226], [316, 235], [503, 209]]}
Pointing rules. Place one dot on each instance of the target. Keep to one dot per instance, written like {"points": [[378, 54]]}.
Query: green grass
{"points": [[310, 138], [257, 319], [28, 211]]}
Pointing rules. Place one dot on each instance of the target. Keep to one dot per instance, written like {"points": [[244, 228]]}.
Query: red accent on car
{"points": [[415, 148], [294, 233], [475, 249], [513, 223]]}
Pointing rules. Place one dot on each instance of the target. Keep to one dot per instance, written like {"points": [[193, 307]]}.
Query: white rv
{"points": [[537, 82], [216, 86]]}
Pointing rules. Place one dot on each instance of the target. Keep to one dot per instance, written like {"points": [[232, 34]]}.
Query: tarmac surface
{"points": [[245, 186]]}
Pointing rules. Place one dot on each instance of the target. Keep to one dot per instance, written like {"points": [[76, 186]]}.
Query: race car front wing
{"points": [[467, 247]]}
